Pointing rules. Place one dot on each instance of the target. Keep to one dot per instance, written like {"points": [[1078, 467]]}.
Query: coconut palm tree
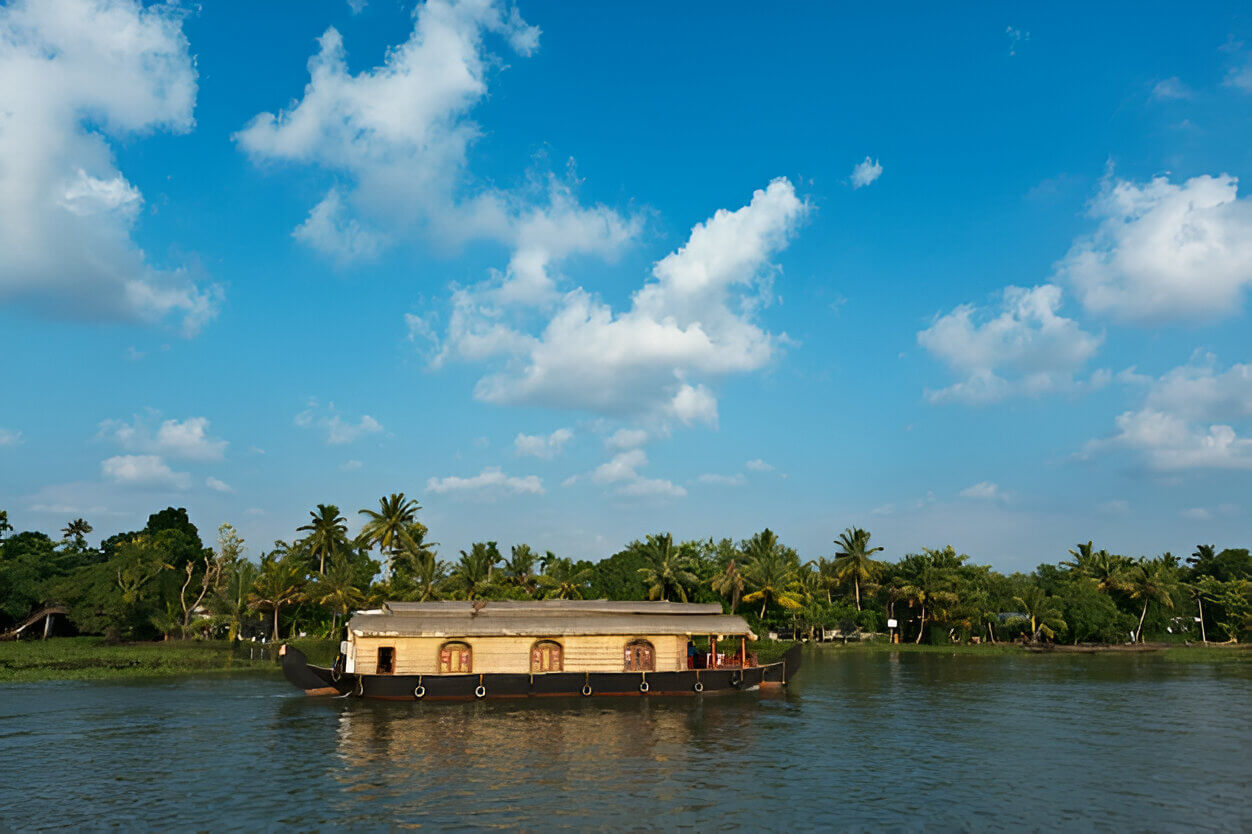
{"points": [[278, 583], [1150, 580], [853, 560], [230, 603], [563, 579], [729, 583], [1107, 569], [1042, 611], [77, 530], [388, 526], [327, 534], [929, 587], [669, 570], [474, 574], [770, 571], [337, 588], [520, 568]]}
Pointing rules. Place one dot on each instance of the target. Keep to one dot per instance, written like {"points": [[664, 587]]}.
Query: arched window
{"points": [[546, 656], [639, 656], [456, 658]]}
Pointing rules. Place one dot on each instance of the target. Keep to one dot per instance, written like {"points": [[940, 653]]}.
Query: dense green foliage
{"points": [[162, 581]]}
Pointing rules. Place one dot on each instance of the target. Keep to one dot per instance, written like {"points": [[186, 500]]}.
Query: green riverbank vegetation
{"points": [[164, 583]]}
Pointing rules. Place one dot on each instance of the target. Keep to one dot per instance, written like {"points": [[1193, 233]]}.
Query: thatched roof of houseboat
{"points": [[546, 618]]}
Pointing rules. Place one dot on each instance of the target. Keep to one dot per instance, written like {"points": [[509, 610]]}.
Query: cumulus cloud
{"points": [[338, 431], [1193, 417], [1021, 346], [626, 439], [1163, 251], [866, 172], [491, 481], [74, 73], [187, 439], [715, 479], [694, 321], [1171, 89], [983, 490], [397, 136], [758, 465], [622, 473], [143, 471], [218, 486], [542, 446]]}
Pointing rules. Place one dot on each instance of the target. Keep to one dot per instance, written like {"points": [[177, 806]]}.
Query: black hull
{"points": [[318, 680]]}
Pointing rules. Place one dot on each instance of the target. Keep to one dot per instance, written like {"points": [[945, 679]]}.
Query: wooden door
{"points": [[546, 656]]}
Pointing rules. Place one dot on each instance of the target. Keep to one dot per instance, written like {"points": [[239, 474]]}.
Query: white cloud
{"points": [[218, 486], [696, 318], [1171, 89], [715, 479], [1197, 514], [338, 430], [621, 472], [1164, 252], [983, 490], [866, 172], [758, 465], [490, 481], [1016, 38], [540, 446], [187, 439], [143, 470], [10, 438], [357, 6], [626, 439], [350, 466], [1190, 418], [399, 134], [1023, 347], [1240, 77], [1115, 507], [72, 74]]}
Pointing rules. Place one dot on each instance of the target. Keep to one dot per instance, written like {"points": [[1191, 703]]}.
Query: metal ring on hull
{"points": [[586, 689], [480, 692], [644, 687], [360, 687], [419, 692], [699, 687]]}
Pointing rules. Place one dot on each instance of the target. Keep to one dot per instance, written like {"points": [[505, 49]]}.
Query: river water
{"points": [[859, 741]]}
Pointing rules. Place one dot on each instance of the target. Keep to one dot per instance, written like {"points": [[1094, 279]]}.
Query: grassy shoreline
{"points": [[91, 658], [1221, 653]]}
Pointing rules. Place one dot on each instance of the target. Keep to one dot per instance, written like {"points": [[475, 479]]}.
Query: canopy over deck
{"points": [[546, 618]]}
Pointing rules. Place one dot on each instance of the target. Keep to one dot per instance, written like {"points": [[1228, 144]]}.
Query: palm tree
{"points": [[77, 530], [853, 560], [1042, 611], [279, 583], [520, 567], [1107, 569], [928, 586], [770, 571], [668, 570], [328, 533], [564, 579], [729, 583], [474, 575], [231, 600], [1150, 581], [337, 588], [388, 527]]}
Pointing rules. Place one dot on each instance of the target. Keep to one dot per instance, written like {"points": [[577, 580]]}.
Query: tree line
{"points": [[162, 581]]}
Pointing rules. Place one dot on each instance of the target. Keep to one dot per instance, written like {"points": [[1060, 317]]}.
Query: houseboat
{"points": [[487, 649]]}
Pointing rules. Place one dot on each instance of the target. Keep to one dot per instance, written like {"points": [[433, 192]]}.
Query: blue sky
{"points": [[570, 274]]}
